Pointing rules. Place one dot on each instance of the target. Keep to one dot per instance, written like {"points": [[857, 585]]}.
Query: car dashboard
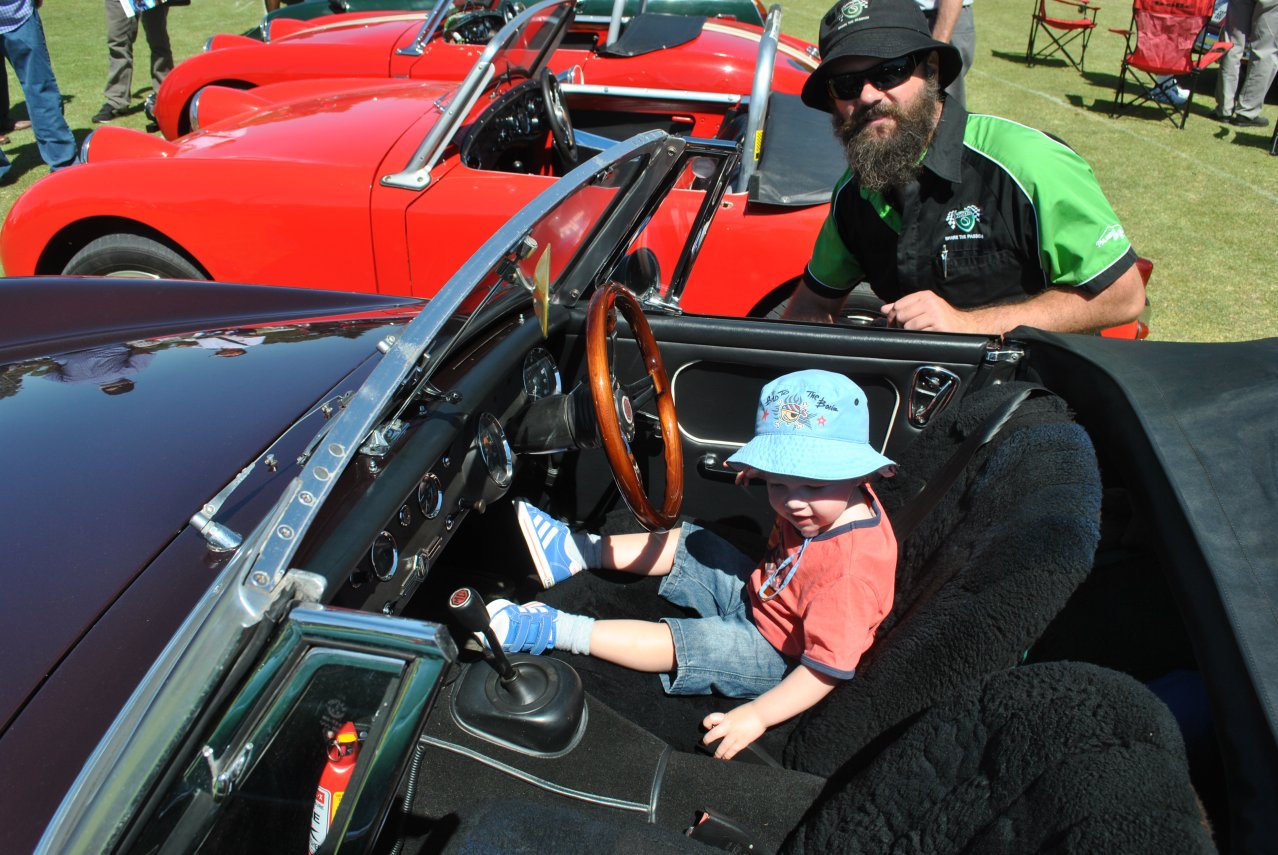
{"points": [[413, 484], [510, 135]]}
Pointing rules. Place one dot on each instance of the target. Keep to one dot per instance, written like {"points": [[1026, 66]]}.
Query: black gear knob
{"points": [[467, 606], [469, 610]]}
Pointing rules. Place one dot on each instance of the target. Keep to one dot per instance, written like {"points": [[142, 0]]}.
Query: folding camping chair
{"points": [[1078, 29], [1161, 41]]}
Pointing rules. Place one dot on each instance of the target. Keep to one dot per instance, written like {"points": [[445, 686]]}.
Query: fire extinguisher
{"points": [[343, 751]]}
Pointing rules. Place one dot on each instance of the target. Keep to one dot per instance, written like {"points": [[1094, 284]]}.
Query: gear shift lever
{"points": [[469, 609], [536, 703]]}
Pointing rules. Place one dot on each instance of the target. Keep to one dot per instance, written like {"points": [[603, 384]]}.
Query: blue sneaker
{"points": [[550, 543], [529, 628]]}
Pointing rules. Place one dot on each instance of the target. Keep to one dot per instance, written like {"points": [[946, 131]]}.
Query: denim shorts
{"points": [[720, 652]]}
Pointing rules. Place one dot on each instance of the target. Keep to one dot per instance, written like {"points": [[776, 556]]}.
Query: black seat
{"points": [[1057, 757]]}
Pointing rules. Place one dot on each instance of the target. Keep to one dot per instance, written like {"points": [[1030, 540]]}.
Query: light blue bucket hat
{"points": [[812, 424]]}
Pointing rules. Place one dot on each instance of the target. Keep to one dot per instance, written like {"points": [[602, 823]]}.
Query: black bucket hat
{"points": [[883, 29]]}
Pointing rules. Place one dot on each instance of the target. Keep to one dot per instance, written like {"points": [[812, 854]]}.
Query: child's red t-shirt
{"points": [[827, 615]]}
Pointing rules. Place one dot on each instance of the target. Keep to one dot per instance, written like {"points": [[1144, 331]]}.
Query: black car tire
{"points": [[132, 256]]}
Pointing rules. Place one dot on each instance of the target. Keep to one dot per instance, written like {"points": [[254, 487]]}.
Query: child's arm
{"points": [[743, 725]]}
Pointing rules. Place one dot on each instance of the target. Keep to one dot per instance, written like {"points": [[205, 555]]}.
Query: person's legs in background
{"points": [[1237, 29], [155, 23], [1262, 40], [29, 55], [121, 32]]}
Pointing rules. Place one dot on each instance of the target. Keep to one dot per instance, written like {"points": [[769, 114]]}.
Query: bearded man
{"points": [[959, 223]]}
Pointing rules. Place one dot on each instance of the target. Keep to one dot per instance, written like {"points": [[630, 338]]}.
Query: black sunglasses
{"points": [[888, 74]]}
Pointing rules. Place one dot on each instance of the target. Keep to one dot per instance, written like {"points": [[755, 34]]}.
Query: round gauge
{"points": [[541, 375], [495, 450], [383, 556], [430, 496]]}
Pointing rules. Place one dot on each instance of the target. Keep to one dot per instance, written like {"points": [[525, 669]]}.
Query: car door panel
{"points": [[717, 366]]}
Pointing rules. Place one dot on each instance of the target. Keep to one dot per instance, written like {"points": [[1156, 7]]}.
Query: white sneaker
{"points": [[1168, 92]]}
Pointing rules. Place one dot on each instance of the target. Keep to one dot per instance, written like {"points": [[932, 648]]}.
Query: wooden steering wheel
{"points": [[615, 404]]}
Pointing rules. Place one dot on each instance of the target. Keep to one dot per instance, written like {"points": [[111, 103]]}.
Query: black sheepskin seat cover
{"points": [[979, 579], [1058, 757]]}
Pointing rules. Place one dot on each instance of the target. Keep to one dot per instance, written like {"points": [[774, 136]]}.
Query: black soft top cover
{"points": [[649, 33], [1192, 428], [801, 159]]}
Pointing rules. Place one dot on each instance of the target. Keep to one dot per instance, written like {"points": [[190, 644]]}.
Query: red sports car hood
{"points": [[311, 121]]}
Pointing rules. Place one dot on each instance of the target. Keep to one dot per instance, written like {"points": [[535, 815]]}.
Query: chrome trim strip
{"points": [[647, 92], [542, 783]]}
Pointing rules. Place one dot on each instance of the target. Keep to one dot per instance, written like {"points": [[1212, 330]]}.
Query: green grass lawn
{"points": [[1202, 203]]}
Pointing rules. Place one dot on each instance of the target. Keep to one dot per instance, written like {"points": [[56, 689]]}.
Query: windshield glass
{"points": [[526, 43]]}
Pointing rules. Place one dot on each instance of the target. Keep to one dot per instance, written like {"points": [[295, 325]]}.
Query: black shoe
{"points": [[1249, 122], [1217, 116], [106, 114]]}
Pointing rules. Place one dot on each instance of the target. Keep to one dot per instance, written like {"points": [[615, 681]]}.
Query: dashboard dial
{"points": [[383, 556], [430, 496], [541, 375], [495, 450]]}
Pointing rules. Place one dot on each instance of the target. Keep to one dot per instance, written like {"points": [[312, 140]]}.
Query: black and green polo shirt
{"points": [[999, 212]]}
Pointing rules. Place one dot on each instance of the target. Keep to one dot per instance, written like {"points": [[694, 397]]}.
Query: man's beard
{"points": [[880, 162]]}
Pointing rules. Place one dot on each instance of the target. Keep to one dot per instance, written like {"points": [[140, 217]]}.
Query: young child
{"points": [[784, 631]]}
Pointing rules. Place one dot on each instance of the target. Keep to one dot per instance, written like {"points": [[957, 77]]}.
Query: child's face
{"points": [[810, 506]]}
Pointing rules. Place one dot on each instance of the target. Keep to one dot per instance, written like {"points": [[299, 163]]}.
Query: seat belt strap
{"points": [[907, 519]]}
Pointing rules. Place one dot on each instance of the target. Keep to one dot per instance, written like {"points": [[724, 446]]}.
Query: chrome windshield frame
{"points": [[436, 17], [416, 173]]}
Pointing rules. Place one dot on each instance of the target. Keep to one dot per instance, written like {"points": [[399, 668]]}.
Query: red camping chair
{"points": [[1077, 29], [1161, 41]]}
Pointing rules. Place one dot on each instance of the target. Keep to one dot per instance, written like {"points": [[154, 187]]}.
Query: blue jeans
{"points": [[722, 651], [29, 56]]}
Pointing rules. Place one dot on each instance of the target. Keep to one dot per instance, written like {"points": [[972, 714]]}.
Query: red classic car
{"points": [[713, 55], [388, 186]]}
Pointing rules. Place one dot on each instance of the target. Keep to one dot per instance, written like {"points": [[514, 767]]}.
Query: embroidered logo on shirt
{"points": [[1114, 232], [965, 220]]}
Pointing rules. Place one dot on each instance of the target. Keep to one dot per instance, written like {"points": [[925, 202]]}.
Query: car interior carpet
{"points": [[617, 769]]}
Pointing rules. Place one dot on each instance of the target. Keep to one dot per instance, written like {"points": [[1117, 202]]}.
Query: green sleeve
{"points": [[833, 267], [1081, 242]]}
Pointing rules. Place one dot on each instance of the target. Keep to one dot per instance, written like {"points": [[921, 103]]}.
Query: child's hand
{"points": [[744, 474], [737, 728]]}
